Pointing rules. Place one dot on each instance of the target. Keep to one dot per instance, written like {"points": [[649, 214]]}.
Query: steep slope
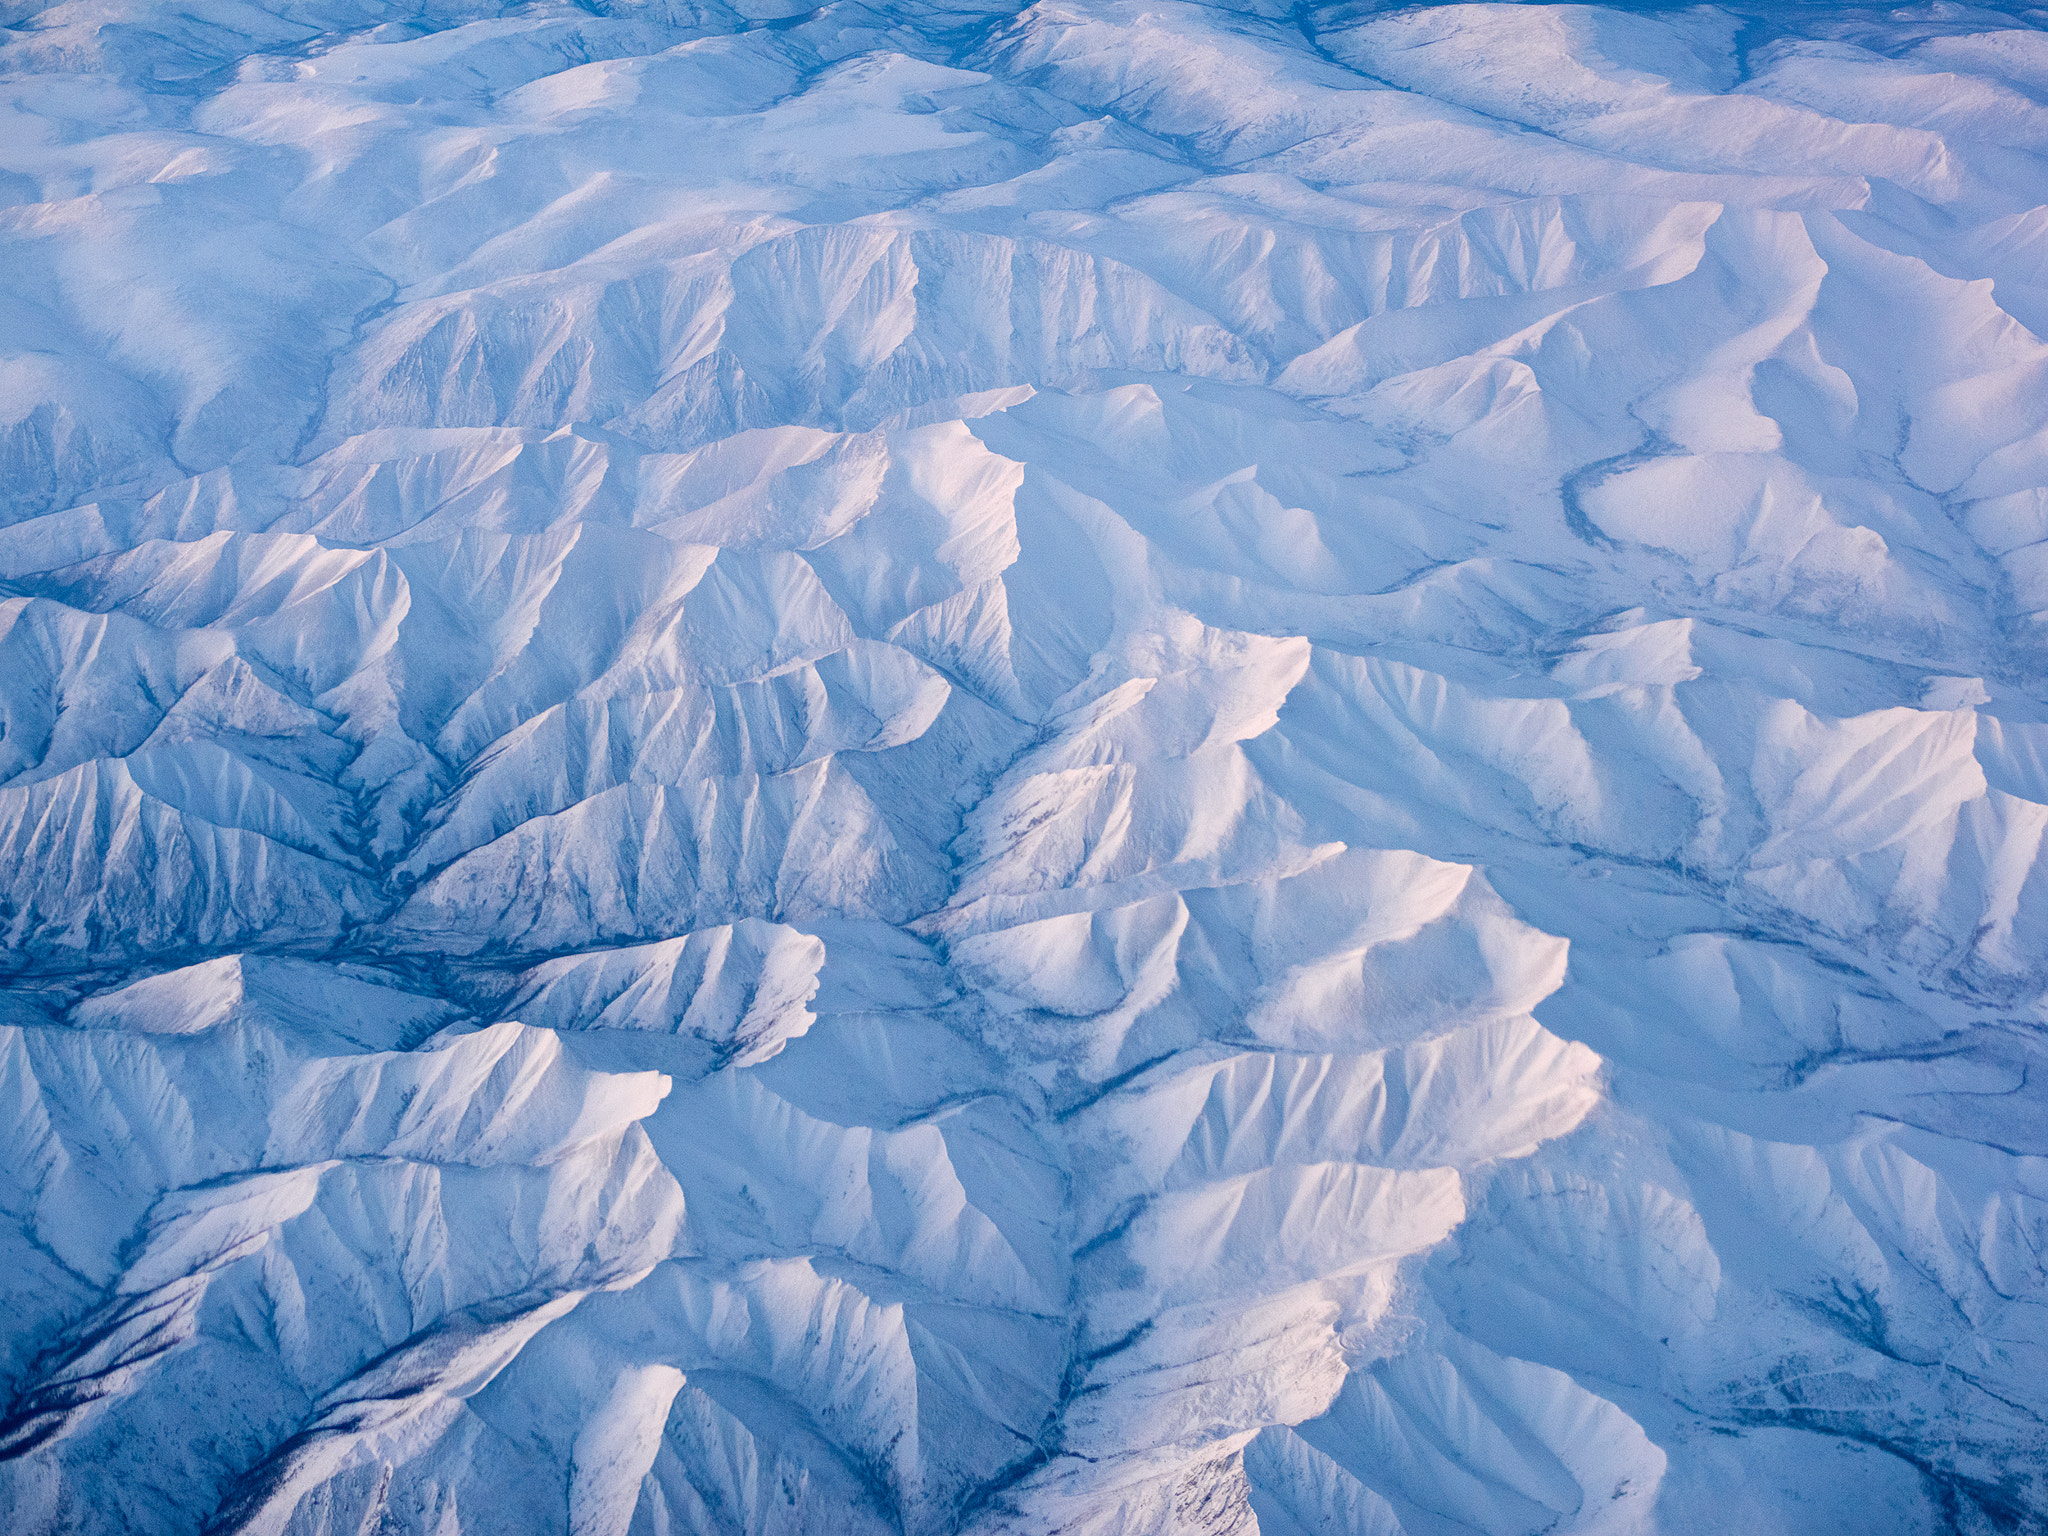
{"points": [[1076, 766]]}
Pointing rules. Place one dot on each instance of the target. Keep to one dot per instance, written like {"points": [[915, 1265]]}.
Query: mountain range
{"points": [[945, 766]]}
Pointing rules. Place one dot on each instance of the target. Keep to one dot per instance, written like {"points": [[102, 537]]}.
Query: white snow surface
{"points": [[1094, 766]]}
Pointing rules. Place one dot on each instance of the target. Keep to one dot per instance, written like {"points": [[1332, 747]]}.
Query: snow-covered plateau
{"points": [[946, 766]]}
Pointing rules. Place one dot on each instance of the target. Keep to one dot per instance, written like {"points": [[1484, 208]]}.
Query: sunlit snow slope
{"points": [[1105, 767]]}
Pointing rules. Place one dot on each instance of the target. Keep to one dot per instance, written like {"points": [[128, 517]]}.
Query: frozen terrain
{"points": [[1106, 767]]}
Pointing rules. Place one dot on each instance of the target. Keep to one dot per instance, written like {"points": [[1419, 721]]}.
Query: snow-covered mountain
{"points": [[1095, 766]]}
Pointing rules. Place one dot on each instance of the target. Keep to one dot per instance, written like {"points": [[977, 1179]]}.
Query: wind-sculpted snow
{"points": [[1082, 766]]}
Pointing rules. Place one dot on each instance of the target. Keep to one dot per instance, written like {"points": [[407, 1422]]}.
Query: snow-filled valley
{"points": [[1100, 767]]}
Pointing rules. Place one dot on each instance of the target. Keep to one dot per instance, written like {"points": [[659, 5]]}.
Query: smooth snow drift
{"points": [[1090, 767]]}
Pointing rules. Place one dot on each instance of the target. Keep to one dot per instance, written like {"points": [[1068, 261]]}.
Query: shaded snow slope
{"points": [[1093, 767]]}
